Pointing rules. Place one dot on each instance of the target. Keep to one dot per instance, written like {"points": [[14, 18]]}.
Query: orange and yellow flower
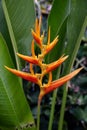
{"points": [[45, 68]]}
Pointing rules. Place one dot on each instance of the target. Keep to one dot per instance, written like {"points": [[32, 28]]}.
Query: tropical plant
{"points": [[68, 20]]}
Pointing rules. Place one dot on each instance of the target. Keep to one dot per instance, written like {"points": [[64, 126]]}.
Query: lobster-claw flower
{"points": [[52, 66], [36, 34], [37, 38], [47, 88], [49, 47], [30, 59], [24, 75], [39, 60]]}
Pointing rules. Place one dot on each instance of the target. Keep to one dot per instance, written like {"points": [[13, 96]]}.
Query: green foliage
{"points": [[76, 25], [11, 95], [68, 19], [20, 20], [80, 114], [57, 22]]}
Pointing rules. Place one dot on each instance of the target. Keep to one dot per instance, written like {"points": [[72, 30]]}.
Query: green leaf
{"points": [[20, 19], [59, 12], [75, 30], [14, 110], [5, 33], [80, 114], [57, 21]]}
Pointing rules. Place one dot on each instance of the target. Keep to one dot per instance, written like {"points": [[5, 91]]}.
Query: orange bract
{"points": [[45, 68], [24, 75]]}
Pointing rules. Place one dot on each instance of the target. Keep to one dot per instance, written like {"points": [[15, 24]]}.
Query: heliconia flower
{"points": [[47, 88], [32, 49], [38, 26], [24, 75], [48, 42], [33, 60], [49, 47], [36, 34], [45, 68], [54, 65], [37, 38]]}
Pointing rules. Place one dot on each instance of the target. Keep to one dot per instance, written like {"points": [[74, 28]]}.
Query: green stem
{"points": [[53, 105], [60, 126], [38, 116], [52, 110]]}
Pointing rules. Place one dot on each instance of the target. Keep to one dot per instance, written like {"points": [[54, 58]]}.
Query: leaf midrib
{"points": [[10, 31]]}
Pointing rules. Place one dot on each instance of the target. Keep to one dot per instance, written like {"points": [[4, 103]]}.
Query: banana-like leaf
{"points": [[76, 26], [5, 33], [14, 109], [60, 11], [20, 19], [57, 21]]}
